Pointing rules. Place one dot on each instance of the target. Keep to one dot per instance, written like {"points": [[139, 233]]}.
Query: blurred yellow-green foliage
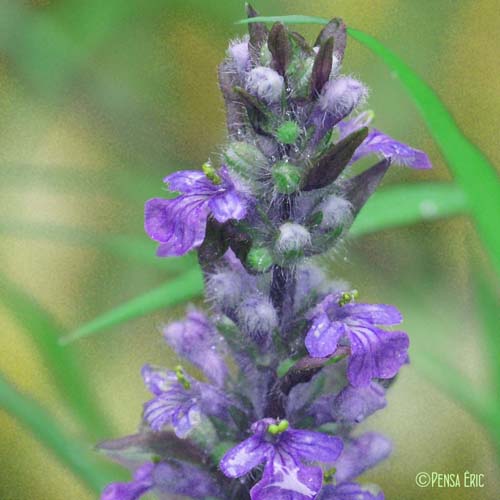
{"points": [[99, 100]]}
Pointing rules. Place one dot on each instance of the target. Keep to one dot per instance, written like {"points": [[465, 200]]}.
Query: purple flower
{"points": [[361, 454], [382, 145], [348, 491], [197, 340], [141, 484], [169, 476], [375, 353], [179, 224], [351, 405], [282, 450], [181, 478], [180, 401]]}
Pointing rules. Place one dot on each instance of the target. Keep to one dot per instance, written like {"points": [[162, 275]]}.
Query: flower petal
{"points": [[175, 408], [241, 459], [360, 455], [352, 404], [228, 205], [347, 491], [286, 479], [387, 147], [178, 224], [376, 314], [323, 336], [141, 484], [347, 127], [349, 406], [375, 353], [157, 380], [185, 418], [196, 339], [193, 182], [180, 478], [214, 401], [312, 446]]}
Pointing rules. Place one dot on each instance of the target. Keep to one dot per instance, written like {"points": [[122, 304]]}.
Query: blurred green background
{"points": [[99, 100]]}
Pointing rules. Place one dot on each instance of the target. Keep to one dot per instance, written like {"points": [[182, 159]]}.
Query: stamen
{"points": [[181, 377], [275, 429], [347, 297], [211, 173]]}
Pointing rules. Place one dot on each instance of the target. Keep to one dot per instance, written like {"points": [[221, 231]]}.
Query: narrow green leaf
{"points": [[182, 288], [404, 205], [488, 307], [62, 364], [291, 19], [46, 430], [472, 170], [141, 250]]}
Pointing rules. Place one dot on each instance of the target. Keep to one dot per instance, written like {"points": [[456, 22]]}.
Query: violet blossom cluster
{"points": [[287, 362]]}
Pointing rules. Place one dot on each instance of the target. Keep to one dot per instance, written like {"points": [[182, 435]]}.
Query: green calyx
{"points": [[275, 429], [181, 377], [211, 173], [347, 297], [286, 177], [244, 159], [288, 132], [259, 259]]}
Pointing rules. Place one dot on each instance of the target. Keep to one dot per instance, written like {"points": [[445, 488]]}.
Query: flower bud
{"points": [[265, 83], [259, 259], [337, 212], [286, 177], [257, 318], [341, 96], [225, 288], [292, 240], [244, 159], [288, 132], [310, 279], [238, 51]]}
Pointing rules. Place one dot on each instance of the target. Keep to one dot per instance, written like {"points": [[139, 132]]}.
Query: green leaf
{"points": [[123, 246], [292, 19], [488, 307], [48, 431], [472, 170], [408, 204], [180, 289], [63, 364]]}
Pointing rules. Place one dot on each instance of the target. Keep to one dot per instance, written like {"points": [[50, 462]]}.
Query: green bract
{"points": [[244, 159]]}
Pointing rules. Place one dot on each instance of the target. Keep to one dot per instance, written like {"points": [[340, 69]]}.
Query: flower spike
{"points": [[276, 374]]}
